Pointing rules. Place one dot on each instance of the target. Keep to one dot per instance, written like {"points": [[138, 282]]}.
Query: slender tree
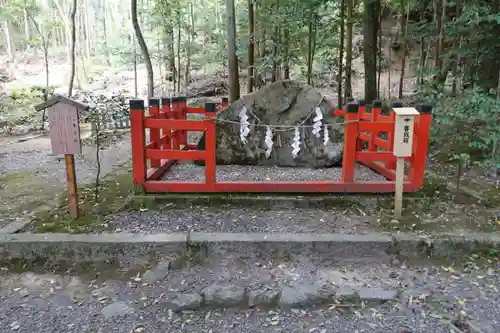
{"points": [[143, 47], [251, 45], [232, 59], [341, 53], [73, 45]]}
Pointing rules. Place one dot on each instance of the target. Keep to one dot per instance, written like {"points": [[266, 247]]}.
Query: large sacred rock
{"points": [[286, 112]]}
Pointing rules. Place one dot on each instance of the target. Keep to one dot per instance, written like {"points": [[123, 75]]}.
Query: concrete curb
{"points": [[214, 246], [180, 200], [91, 247], [349, 247]]}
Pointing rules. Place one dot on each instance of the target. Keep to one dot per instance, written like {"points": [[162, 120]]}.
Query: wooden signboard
{"points": [[64, 131]]}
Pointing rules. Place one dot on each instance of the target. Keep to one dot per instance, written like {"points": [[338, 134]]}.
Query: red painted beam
{"points": [[379, 126], [370, 156], [277, 187], [156, 173], [189, 125], [195, 110], [380, 168], [193, 155]]}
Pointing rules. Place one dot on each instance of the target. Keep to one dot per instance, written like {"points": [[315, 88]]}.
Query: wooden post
{"points": [[210, 144], [350, 138], [361, 112], [398, 197], [154, 133], [376, 106], [69, 160], [422, 128], [137, 134], [402, 147]]}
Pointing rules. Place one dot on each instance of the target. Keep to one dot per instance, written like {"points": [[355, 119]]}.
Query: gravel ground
{"points": [[32, 176], [252, 219], [36, 155], [195, 173], [47, 302]]}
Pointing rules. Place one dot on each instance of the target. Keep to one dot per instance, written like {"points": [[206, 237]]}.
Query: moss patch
{"points": [[23, 192], [111, 198]]}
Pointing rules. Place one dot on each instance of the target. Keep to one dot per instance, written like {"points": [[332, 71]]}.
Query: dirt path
{"points": [[31, 176]]}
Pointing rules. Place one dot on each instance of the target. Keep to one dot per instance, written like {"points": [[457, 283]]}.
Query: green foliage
{"points": [[467, 128]]}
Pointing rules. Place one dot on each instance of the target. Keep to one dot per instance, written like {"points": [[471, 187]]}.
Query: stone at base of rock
{"points": [[180, 302], [117, 309], [224, 296], [301, 295], [263, 298]]}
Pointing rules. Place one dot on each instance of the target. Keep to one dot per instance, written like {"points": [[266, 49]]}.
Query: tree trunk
{"points": [[143, 47], [232, 60], [179, 54], [403, 23], [276, 42], [171, 57], [189, 45], [439, 22], [286, 65], [341, 53], [423, 55], [8, 41], [370, 20], [348, 60], [87, 28], [73, 44], [379, 53], [27, 34], [310, 46], [105, 32], [64, 19], [458, 5], [251, 45]]}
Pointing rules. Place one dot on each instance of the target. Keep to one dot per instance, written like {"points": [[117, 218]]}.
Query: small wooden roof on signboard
{"points": [[61, 99]]}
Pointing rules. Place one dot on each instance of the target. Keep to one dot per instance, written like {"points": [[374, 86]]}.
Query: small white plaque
{"points": [[403, 131]]}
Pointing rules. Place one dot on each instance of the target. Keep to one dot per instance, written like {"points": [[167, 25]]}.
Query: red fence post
{"points": [[165, 113], [376, 108], [422, 132], [178, 105], [154, 133], [361, 111], [210, 144], [391, 165], [350, 137], [138, 139]]}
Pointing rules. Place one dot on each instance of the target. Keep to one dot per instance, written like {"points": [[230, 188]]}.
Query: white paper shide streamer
{"points": [[269, 141], [296, 143], [326, 136], [317, 123], [244, 125]]}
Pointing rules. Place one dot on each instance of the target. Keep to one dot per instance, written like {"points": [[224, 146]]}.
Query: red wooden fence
{"points": [[364, 143]]}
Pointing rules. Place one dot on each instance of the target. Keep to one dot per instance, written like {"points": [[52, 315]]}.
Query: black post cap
{"points": [[352, 107], [210, 107], [179, 99], [362, 102], [397, 104], [225, 100], [377, 104], [424, 108], [136, 104], [154, 102]]}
